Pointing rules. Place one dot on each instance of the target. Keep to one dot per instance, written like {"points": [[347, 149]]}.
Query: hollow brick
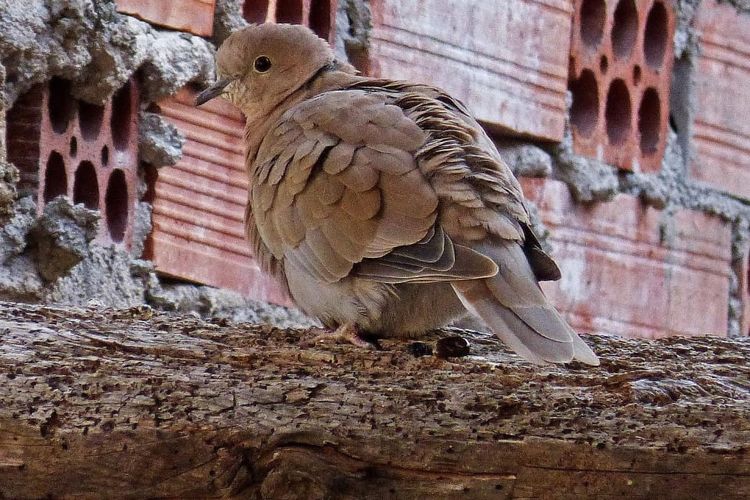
{"points": [[621, 59], [63, 146], [318, 15]]}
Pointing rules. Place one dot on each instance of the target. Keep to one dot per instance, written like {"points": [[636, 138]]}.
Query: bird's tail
{"points": [[514, 307]]}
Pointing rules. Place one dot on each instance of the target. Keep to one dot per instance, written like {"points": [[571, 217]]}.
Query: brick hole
{"points": [[255, 11], [649, 121], [624, 28], [655, 36], [116, 203], [320, 18], [55, 178], [593, 17], [121, 115], [289, 11], [73, 147], [86, 186], [105, 156], [90, 117], [603, 64], [59, 104], [584, 112], [636, 75], [618, 112]]}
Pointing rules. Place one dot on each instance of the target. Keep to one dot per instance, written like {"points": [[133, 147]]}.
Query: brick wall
{"points": [[743, 273], [199, 204], [620, 74], [194, 16], [633, 270], [570, 79], [508, 61], [721, 129]]}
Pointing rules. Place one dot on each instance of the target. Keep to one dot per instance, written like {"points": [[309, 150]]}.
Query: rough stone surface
{"points": [[8, 180], [61, 237], [14, 233], [105, 276], [209, 302], [172, 406], [159, 143], [227, 19], [588, 179], [20, 280], [141, 228], [8, 173], [525, 159], [353, 25]]}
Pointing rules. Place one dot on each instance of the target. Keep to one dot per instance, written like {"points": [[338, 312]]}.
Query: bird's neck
{"points": [[259, 122]]}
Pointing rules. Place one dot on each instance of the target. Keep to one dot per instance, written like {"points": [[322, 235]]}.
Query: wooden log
{"points": [[133, 404]]}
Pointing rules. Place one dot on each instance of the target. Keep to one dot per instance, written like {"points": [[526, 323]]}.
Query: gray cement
{"points": [[210, 302], [159, 142], [671, 187], [525, 159], [227, 19]]}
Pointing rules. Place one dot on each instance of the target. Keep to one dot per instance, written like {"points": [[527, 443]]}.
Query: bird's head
{"points": [[259, 66]]}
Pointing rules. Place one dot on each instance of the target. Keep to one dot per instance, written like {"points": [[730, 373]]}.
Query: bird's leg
{"points": [[346, 333]]}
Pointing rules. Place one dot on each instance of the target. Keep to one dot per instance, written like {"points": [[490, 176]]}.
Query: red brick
{"points": [[721, 130], [194, 16], [507, 61], [67, 147], [744, 288], [199, 204], [625, 275], [319, 15], [621, 65]]}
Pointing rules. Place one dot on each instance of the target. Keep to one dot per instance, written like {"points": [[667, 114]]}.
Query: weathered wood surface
{"points": [[135, 404]]}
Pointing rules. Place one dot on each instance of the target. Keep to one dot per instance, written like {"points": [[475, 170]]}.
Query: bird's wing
{"points": [[481, 208], [337, 191]]}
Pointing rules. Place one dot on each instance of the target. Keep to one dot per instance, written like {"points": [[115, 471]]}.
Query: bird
{"points": [[382, 206]]}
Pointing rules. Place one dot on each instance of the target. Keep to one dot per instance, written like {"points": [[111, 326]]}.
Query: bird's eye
{"points": [[262, 64]]}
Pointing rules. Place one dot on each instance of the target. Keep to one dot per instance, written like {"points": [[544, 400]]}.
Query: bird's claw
{"points": [[347, 333]]}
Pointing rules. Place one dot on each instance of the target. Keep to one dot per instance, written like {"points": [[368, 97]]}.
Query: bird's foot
{"points": [[346, 333]]}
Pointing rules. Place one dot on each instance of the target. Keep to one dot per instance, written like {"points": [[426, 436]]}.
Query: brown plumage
{"points": [[383, 206]]}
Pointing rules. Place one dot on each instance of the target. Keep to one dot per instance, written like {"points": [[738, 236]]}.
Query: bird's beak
{"points": [[212, 91]]}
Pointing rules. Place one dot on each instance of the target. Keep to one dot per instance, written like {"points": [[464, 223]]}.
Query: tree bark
{"points": [[133, 403]]}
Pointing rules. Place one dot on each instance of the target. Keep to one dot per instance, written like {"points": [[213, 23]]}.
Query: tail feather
{"points": [[583, 352], [514, 307], [524, 341]]}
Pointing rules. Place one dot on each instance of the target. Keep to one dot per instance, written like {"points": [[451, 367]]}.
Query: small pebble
{"points": [[452, 347]]}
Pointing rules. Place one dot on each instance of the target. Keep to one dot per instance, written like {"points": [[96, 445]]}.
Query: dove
{"points": [[382, 206]]}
